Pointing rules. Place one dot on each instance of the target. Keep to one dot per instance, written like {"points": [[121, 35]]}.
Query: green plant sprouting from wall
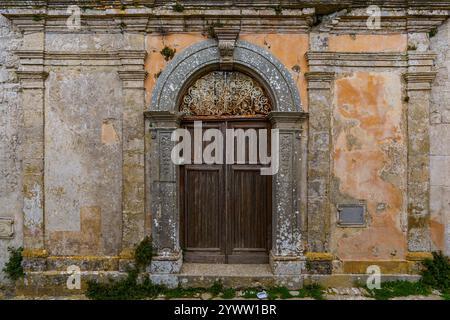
{"points": [[435, 275], [178, 7], [210, 30], [144, 253], [168, 53], [436, 272], [13, 268]]}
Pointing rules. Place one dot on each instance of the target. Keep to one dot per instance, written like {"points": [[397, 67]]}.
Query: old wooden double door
{"points": [[225, 208]]}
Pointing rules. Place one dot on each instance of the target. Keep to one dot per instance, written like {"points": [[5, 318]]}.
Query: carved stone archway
{"points": [[163, 117]]}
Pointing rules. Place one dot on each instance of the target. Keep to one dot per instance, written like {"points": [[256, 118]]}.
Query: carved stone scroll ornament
{"points": [[226, 37], [225, 93]]}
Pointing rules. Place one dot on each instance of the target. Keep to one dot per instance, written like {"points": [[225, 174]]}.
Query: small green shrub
{"points": [[436, 273], [178, 7], [168, 53], [210, 30], [312, 290], [228, 293], [278, 10], [432, 32], [278, 292], [144, 253], [13, 268], [125, 289], [399, 288], [216, 288]]}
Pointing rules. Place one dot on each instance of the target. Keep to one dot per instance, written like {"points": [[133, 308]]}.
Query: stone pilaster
{"points": [[286, 256], [133, 75], [32, 78], [319, 146], [418, 85], [164, 193]]}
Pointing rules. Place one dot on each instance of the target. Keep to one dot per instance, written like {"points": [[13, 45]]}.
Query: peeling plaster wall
{"points": [[83, 161], [11, 200], [440, 142], [369, 164], [83, 150]]}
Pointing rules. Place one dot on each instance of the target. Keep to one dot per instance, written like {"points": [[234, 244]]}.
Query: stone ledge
{"points": [[53, 283]]}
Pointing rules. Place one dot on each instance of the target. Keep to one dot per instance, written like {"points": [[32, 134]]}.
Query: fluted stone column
{"points": [[133, 169], [418, 85], [319, 171], [32, 78]]}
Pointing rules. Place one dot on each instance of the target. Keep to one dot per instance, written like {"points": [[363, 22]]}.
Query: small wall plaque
{"points": [[6, 228], [352, 215]]}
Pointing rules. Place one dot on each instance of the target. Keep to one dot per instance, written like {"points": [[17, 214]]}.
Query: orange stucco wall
{"points": [[369, 163], [290, 49]]}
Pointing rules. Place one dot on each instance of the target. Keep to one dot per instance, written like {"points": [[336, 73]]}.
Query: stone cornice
{"points": [[163, 19], [329, 61], [130, 58], [392, 21], [250, 16], [324, 59]]}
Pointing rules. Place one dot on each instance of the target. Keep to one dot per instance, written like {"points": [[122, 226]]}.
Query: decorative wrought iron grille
{"points": [[225, 93]]}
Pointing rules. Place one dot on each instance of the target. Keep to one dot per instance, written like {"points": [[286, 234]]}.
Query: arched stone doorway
{"points": [[225, 200], [286, 115]]}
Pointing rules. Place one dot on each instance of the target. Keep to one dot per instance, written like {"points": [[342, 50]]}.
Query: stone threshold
{"points": [[223, 270]]}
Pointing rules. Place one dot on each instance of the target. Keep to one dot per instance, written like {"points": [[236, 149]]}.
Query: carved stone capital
{"points": [[417, 81], [166, 119], [32, 79], [226, 37], [320, 80], [286, 119]]}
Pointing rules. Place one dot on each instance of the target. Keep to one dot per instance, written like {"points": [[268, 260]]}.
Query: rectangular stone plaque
{"points": [[351, 215], [6, 228]]}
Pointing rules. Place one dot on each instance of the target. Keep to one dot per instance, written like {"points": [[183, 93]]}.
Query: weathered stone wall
{"points": [[366, 95], [83, 157], [440, 142], [10, 139]]}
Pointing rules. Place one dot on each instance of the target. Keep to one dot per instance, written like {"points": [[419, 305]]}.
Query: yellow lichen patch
{"points": [[386, 267], [319, 256], [418, 256], [34, 253], [290, 49], [368, 112], [368, 43]]}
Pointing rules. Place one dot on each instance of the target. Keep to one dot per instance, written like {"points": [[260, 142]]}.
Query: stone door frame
{"points": [[288, 186]]}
